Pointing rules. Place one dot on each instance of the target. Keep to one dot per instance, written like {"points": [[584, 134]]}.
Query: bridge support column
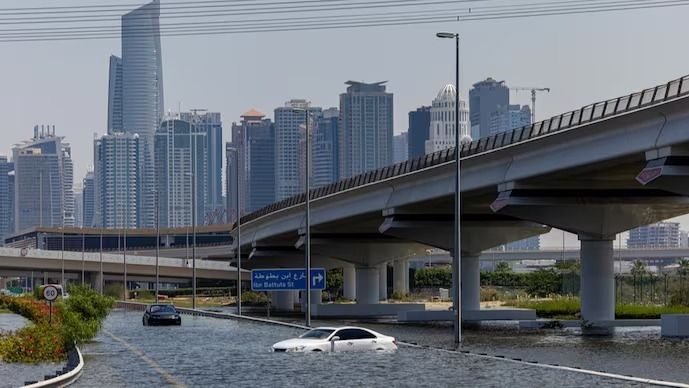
{"points": [[283, 300], [316, 298], [471, 283], [597, 279], [400, 273], [367, 285], [349, 282], [383, 281]]}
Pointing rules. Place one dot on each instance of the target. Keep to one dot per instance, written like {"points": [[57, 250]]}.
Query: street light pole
{"points": [[157, 241], [239, 229], [307, 258], [456, 262]]}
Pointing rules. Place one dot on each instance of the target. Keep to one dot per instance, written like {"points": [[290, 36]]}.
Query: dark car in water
{"points": [[161, 314]]}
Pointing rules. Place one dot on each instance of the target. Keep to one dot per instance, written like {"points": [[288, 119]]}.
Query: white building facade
{"points": [[442, 129]]}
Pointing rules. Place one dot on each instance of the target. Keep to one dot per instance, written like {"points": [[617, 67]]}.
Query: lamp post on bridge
{"points": [[457, 255]]}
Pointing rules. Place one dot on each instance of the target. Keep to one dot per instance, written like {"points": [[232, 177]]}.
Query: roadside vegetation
{"points": [[563, 307], [74, 320]]}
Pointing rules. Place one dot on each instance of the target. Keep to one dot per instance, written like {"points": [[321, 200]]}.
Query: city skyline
{"points": [[484, 53]]}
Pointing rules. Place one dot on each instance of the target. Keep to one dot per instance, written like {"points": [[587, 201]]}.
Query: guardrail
{"points": [[586, 115], [68, 375]]}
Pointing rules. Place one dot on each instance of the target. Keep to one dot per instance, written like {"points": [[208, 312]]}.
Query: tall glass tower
{"points": [[142, 93]]}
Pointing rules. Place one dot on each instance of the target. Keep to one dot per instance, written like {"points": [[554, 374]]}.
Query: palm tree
{"points": [[638, 268], [682, 271]]}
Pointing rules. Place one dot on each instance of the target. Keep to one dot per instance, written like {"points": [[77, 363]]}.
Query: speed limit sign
{"points": [[50, 293]]}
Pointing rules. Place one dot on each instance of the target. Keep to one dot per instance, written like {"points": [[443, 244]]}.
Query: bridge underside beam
{"points": [[667, 169], [286, 257], [361, 250], [479, 232]]}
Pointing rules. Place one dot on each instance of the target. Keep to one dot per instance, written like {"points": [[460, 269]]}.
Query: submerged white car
{"points": [[333, 339]]}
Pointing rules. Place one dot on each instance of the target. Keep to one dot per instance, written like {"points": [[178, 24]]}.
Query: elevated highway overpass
{"points": [[596, 171], [20, 262]]}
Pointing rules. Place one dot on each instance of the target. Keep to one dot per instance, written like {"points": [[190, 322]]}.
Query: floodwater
{"points": [[222, 353]]}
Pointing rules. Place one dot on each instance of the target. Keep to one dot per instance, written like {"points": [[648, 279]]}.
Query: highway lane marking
{"points": [[154, 365]]}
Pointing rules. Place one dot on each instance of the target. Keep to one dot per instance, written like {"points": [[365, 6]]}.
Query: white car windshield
{"points": [[317, 334]]}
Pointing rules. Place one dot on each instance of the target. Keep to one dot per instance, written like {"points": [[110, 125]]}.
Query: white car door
{"points": [[353, 340]]}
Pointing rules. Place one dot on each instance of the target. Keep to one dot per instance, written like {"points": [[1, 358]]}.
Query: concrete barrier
{"points": [[65, 377], [506, 314], [360, 310], [674, 325]]}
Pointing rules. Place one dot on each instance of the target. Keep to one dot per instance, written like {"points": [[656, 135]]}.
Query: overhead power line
{"points": [[351, 21]]}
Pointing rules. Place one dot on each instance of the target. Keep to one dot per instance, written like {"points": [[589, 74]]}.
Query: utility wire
{"points": [[525, 6], [379, 22]]}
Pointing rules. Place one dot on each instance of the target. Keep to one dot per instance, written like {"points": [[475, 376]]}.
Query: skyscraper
{"points": [[88, 201], [230, 182], [400, 147], [658, 235], [509, 117], [288, 120], [142, 93], [484, 98], [181, 173], [43, 181], [6, 198], [115, 95], [117, 178], [366, 128], [417, 133], [79, 209], [442, 128], [324, 154], [254, 137], [210, 123]]}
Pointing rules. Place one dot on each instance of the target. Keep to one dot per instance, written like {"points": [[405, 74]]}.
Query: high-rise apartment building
{"points": [[88, 201], [6, 198], [288, 120], [366, 128], [485, 98], [142, 93], [231, 182], [117, 178], [442, 128], [400, 147], [418, 131], [658, 235], [254, 138], [115, 95], [44, 175], [79, 209], [508, 117], [324, 154], [210, 123], [181, 173]]}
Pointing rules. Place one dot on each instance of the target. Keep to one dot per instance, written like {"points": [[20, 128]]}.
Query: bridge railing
{"points": [[586, 115]]}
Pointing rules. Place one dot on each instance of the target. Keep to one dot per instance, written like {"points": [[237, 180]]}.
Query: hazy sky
{"points": [[583, 58]]}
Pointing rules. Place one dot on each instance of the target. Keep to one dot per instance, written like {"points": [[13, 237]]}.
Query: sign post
{"points": [[286, 279], [50, 294]]}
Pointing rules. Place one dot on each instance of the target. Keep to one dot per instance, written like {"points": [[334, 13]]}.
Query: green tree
{"points": [[638, 268], [683, 269], [334, 281], [503, 266]]}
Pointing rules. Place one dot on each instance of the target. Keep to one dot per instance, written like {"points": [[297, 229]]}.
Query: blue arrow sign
{"points": [[286, 279]]}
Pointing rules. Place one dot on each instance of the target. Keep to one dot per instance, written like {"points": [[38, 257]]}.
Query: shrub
{"points": [[543, 282], [254, 298], [33, 344], [433, 277], [114, 290]]}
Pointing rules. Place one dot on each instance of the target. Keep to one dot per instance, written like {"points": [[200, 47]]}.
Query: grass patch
{"points": [[570, 307]]}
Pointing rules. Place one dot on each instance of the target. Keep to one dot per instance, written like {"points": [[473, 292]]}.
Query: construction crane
{"points": [[533, 91]]}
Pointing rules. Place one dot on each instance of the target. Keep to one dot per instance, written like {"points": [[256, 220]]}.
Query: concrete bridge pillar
{"points": [[94, 280], [316, 297], [471, 282], [349, 282], [400, 273], [283, 300], [597, 279], [383, 281], [367, 285]]}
